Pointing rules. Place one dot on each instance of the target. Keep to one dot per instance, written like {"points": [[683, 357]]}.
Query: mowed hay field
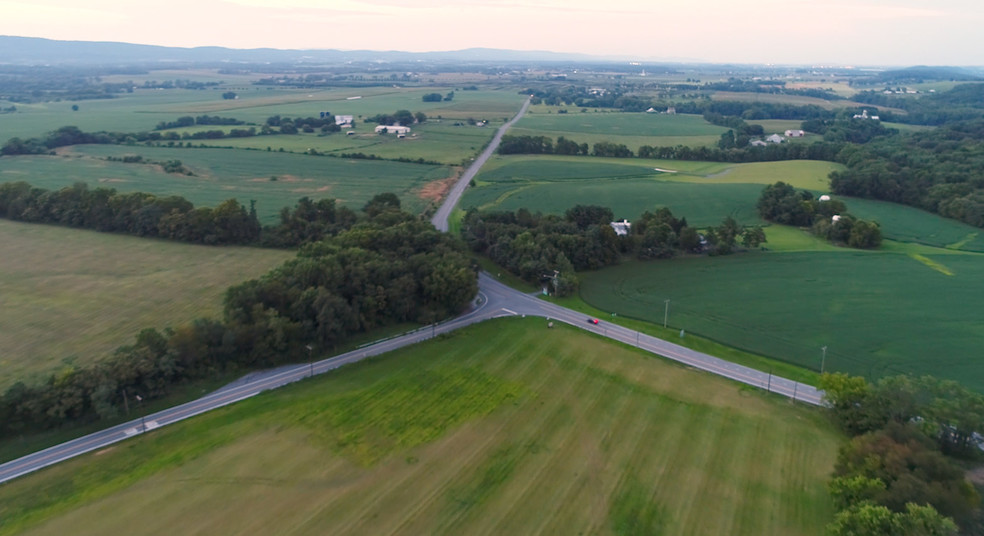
{"points": [[505, 427], [67, 294], [904, 309], [704, 192], [275, 180], [631, 129]]}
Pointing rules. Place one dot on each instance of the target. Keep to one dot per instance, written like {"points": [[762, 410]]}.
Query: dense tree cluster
{"points": [[286, 125], [36, 83], [775, 87], [827, 218], [388, 268], [432, 97], [548, 248], [960, 103], [903, 430], [187, 121], [936, 170], [399, 117], [140, 214]]}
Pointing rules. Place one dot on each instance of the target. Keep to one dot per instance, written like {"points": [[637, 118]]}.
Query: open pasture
{"points": [[504, 427], [631, 129], [704, 192], [221, 174], [879, 313], [72, 296]]}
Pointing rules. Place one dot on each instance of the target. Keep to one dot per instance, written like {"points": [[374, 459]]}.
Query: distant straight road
{"points": [[440, 219], [494, 300]]}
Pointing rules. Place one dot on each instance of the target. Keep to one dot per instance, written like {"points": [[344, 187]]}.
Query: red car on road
{"points": [[592, 321]]}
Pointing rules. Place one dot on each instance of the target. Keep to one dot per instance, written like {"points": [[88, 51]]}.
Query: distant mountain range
{"points": [[39, 51]]}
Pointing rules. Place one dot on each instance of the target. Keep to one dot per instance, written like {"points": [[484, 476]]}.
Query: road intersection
{"points": [[494, 300]]}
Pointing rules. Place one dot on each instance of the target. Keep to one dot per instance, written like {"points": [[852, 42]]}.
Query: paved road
{"points": [[440, 219], [494, 300]]}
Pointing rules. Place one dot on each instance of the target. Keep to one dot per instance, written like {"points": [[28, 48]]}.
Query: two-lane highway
{"points": [[494, 300]]}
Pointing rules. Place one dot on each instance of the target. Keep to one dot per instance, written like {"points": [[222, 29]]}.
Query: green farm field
{"points": [[70, 296], [903, 309], [704, 192], [908, 224], [221, 174], [632, 129], [144, 108], [505, 427], [433, 141]]}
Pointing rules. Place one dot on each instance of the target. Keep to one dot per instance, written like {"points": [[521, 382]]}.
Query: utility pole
{"points": [[769, 388], [823, 359], [310, 359], [666, 311], [126, 405]]}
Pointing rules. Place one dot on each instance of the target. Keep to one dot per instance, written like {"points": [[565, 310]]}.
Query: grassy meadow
{"points": [[704, 192], [503, 427], [221, 174], [70, 296], [903, 309], [632, 129]]}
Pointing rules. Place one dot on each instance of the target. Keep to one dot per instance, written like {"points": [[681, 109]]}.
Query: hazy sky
{"points": [[856, 32]]}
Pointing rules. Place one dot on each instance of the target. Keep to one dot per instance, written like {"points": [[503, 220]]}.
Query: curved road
{"points": [[494, 300]]}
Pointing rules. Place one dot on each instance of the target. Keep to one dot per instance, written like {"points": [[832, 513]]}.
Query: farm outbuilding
{"points": [[795, 133], [392, 129], [621, 228]]}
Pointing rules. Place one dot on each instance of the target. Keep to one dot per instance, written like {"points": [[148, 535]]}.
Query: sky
{"points": [[811, 32]]}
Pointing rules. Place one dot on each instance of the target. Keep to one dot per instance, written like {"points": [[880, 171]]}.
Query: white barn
{"points": [[392, 129]]}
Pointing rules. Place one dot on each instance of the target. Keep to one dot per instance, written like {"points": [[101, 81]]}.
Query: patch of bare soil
{"points": [[435, 191]]}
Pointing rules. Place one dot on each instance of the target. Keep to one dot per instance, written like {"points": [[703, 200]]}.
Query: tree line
{"points": [[936, 170], [187, 121], [385, 267], [176, 218], [826, 218], [899, 475], [551, 249], [399, 117]]}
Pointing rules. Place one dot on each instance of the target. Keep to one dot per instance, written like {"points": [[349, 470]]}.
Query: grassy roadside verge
{"points": [[694, 342], [12, 448]]}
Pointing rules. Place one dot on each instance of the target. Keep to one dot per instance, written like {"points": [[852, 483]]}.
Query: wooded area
{"points": [[388, 267]]}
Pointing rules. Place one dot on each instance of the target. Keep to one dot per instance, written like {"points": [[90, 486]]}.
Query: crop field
{"points": [[70, 296], [436, 142], [796, 100], [221, 174], [704, 192], [502, 428], [632, 129], [907, 309], [909, 224], [144, 108]]}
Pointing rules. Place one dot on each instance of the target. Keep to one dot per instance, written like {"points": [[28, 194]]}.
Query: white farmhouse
{"points": [[775, 138]]}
